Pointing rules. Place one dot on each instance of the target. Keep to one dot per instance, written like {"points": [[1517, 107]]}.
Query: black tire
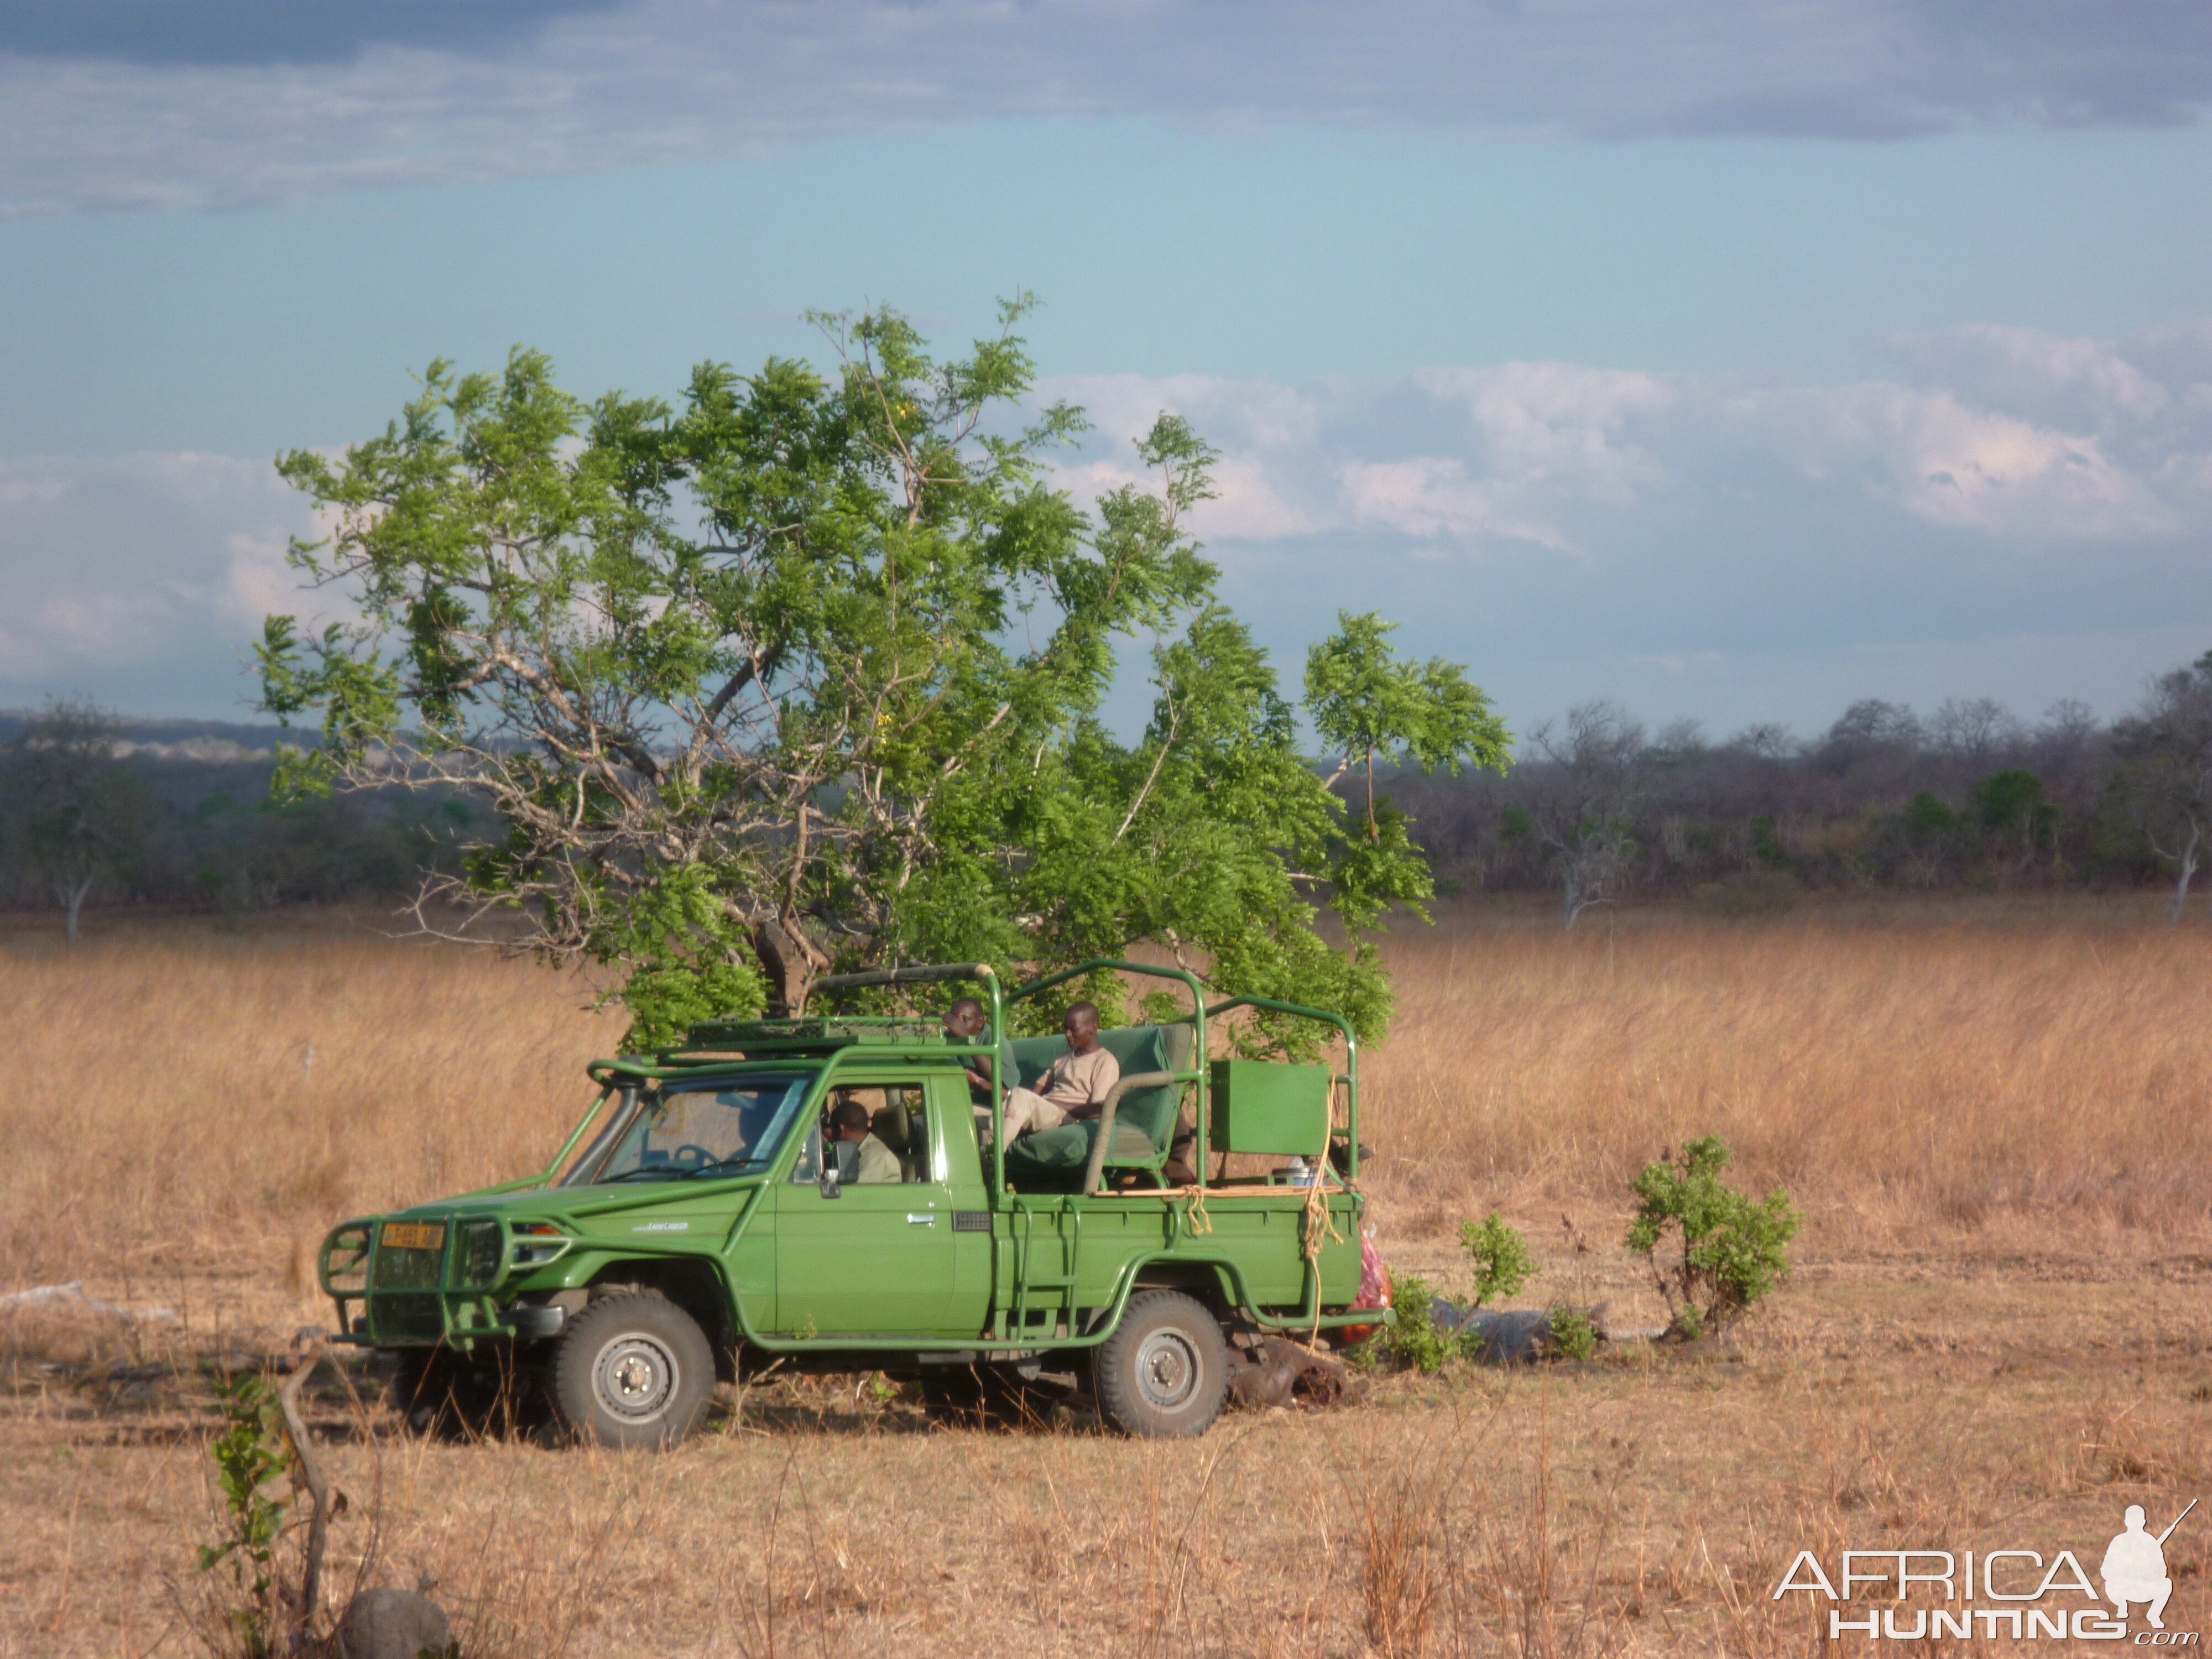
{"points": [[441, 1394], [1164, 1372], [633, 1371]]}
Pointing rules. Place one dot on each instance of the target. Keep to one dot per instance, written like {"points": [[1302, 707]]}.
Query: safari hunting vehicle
{"points": [[702, 1231]]}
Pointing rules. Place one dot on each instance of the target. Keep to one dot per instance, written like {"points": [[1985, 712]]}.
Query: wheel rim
{"points": [[1168, 1368], [634, 1378]]}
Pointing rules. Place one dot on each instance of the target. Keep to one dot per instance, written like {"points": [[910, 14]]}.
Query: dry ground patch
{"points": [[1992, 1113]]}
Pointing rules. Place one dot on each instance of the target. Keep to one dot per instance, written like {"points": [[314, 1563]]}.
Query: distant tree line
{"points": [[97, 810], [1597, 808], [1602, 810]]}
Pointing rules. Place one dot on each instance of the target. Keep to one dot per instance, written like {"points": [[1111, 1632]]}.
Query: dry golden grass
{"points": [[184, 1098], [1909, 1071], [1999, 1335]]}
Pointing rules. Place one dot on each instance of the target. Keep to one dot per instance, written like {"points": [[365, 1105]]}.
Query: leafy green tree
{"points": [[803, 675], [1731, 1248], [1927, 819], [2010, 804]]}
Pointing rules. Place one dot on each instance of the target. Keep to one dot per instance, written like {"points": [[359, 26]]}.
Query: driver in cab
{"points": [[862, 1160]]}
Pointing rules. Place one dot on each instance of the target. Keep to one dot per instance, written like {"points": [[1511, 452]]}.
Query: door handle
{"points": [[913, 1221]]}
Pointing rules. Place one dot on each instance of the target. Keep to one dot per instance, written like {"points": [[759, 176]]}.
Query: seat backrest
{"points": [[894, 1127], [1135, 1049]]}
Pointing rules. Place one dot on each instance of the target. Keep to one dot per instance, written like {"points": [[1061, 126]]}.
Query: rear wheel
{"points": [[633, 1371], [1164, 1372]]}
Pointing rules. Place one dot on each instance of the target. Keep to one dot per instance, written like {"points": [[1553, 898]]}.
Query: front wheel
{"points": [[633, 1370], [440, 1393], [1164, 1372]]}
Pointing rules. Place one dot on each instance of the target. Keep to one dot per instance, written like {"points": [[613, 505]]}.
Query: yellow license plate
{"points": [[414, 1235]]}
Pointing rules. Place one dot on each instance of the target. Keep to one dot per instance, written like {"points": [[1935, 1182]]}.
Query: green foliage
{"points": [[689, 970], [1500, 1256], [1573, 1336], [1927, 818], [1413, 1340], [1365, 702], [803, 675], [2007, 800], [249, 1454], [1732, 1249]]}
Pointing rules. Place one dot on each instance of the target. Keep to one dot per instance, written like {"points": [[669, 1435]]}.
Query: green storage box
{"points": [[1262, 1107]]}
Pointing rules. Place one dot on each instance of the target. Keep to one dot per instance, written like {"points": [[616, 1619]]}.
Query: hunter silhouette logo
{"points": [[2134, 1567], [2010, 1592]]}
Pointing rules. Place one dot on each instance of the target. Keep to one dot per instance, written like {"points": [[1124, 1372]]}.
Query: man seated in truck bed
{"points": [[1073, 1088], [965, 1023]]}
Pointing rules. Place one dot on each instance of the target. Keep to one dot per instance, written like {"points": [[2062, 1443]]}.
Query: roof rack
{"points": [[824, 1032]]}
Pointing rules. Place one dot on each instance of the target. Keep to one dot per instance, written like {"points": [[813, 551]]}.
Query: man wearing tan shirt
{"points": [[1073, 1089]]}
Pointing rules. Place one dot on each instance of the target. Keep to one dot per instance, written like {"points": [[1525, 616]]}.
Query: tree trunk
{"points": [[790, 964], [72, 895], [2187, 861], [1575, 899]]}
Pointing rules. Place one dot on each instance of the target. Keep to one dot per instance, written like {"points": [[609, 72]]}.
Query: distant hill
{"points": [[220, 742]]}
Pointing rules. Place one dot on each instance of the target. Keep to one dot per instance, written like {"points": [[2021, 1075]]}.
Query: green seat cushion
{"points": [[1065, 1151]]}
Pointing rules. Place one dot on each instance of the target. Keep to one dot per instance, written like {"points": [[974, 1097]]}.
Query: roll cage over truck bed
{"points": [[704, 1226]]}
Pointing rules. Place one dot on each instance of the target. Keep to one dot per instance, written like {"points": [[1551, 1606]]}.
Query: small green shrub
{"points": [[249, 1454], [1414, 1341], [1573, 1336], [1733, 1250], [1502, 1262]]}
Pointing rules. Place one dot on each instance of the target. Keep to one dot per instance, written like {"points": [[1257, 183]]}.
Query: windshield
{"points": [[722, 1129]]}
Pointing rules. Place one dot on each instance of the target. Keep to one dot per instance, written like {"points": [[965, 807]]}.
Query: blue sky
{"points": [[1735, 360]]}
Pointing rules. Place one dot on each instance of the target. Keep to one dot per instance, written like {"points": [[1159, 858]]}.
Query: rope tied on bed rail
{"points": [[1319, 1230]]}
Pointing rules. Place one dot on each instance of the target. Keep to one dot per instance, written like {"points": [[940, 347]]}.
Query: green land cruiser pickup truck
{"points": [[701, 1230]]}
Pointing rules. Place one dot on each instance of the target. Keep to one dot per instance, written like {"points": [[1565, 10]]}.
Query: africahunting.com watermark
{"points": [[2012, 1593]]}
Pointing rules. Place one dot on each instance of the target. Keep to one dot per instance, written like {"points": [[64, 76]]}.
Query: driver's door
{"points": [[877, 1259]]}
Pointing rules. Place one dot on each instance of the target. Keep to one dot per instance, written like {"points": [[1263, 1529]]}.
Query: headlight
{"points": [[537, 1242], [481, 1248], [344, 1265]]}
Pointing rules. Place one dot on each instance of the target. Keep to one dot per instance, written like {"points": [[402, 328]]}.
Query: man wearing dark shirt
{"points": [[965, 1023]]}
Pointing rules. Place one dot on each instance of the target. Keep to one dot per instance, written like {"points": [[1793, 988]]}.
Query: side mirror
{"points": [[830, 1186]]}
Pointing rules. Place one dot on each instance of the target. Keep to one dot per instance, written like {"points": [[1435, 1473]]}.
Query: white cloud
{"points": [[1947, 462], [1558, 420], [1567, 456], [1658, 529], [146, 569], [216, 119], [1431, 497], [2030, 370]]}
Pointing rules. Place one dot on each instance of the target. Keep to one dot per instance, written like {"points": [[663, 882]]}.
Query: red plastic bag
{"points": [[1374, 1288]]}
